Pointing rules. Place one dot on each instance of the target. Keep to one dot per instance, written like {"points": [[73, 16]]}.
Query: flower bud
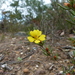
{"points": [[68, 74], [47, 49], [55, 57], [71, 0], [67, 4], [73, 5]]}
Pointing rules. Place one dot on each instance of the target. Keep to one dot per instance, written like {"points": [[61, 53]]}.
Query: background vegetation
{"points": [[32, 14]]}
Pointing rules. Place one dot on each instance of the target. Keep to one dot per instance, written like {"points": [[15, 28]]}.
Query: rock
{"points": [[21, 53], [25, 70], [47, 66], [12, 43], [37, 66], [67, 47], [28, 48], [62, 33], [51, 67], [71, 67], [71, 54], [5, 66], [67, 61], [20, 34], [14, 38], [21, 38], [60, 62], [34, 48], [73, 47], [23, 47], [72, 36], [9, 68], [60, 73]]}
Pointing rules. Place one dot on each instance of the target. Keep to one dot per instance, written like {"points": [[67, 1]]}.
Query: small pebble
{"points": [[66, 61], [60, 61], [50, 63], [47, 66], [37, 66], [12, 44], [28, 48], [26, 64], [71, 67], [26, 70], [61, 72], [23, 47], [34, 48], [51, 67], [14, 38], [4, 65], [21, 53], [71, 54]]}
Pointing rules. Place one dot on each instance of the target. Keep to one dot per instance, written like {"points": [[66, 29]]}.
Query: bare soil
{"points": [[20, 57]]}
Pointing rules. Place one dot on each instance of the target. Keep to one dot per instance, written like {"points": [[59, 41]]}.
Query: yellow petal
{"points": [[42, 37], [39, 32], [37, 41], [32, 33], [31, 39], [35, 33]]}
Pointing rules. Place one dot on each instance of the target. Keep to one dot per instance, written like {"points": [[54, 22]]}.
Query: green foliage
{"points": [[44, 17], [19, 59], [70, 7], [48, 17], [72, 41], [68, 70], [47, 51]]}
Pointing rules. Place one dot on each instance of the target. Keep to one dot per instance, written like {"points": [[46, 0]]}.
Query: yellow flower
{"points": [[36, 36]]}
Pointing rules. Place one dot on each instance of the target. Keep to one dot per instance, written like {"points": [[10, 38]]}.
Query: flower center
{"points": [[36, 37]]}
